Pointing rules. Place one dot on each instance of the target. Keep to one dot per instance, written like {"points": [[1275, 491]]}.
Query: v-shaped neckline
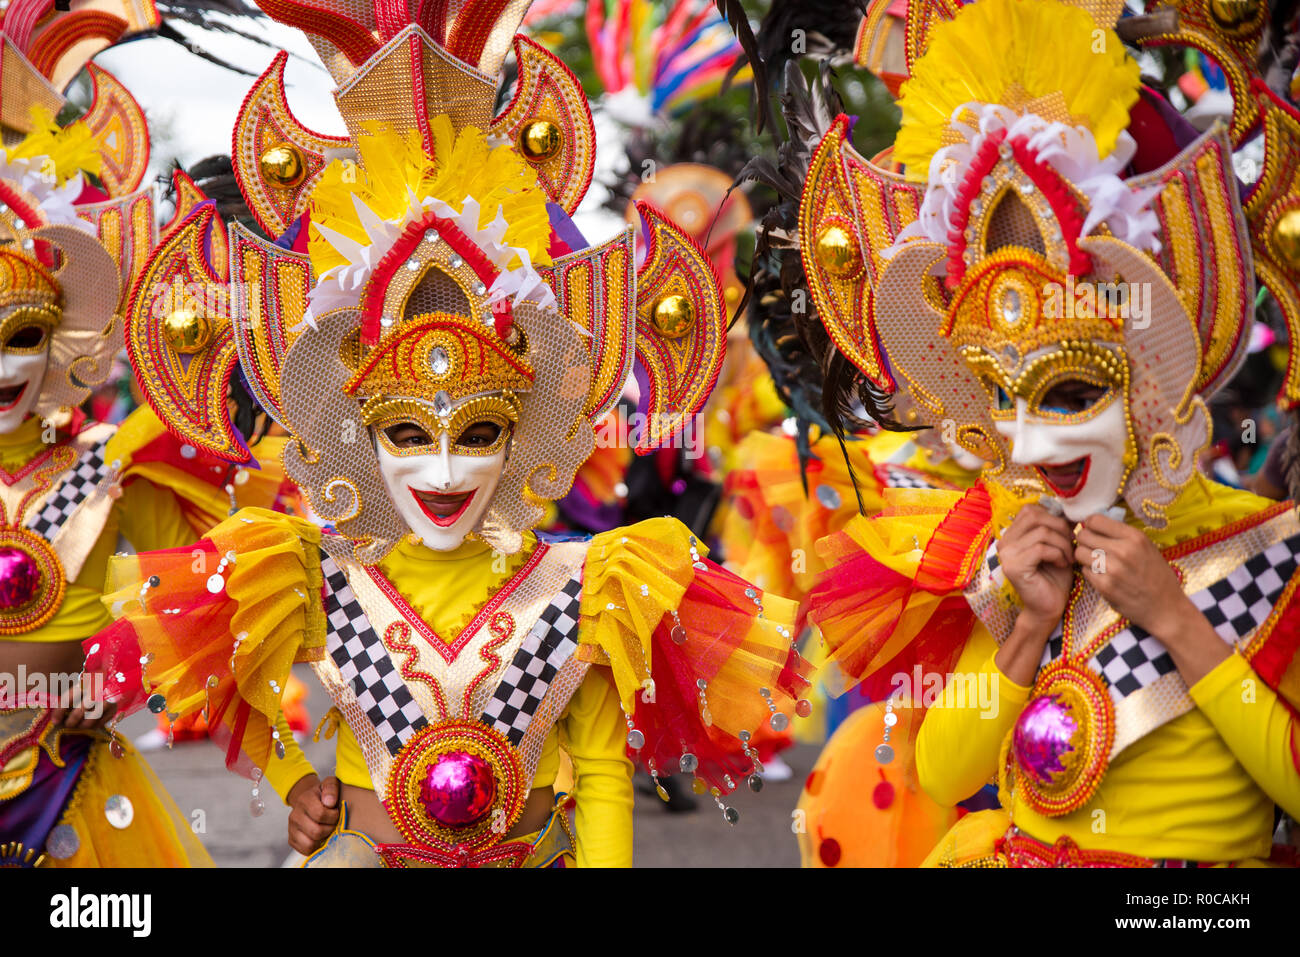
{"points": [[11, 479], [451, 650]]}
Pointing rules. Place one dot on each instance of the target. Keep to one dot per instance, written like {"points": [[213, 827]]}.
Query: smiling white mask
{"points": [[440, 494], [1098, 442], [22, 373]]}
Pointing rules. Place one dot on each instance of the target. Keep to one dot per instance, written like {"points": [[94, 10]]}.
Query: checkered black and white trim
{"points": [[1235, 605], [993, 564], [549, 644], [900, 476], [77, 484], [364, 663]]}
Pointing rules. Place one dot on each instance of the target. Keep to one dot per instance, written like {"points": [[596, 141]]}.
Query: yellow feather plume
{"points": [[396, 174], [70, 149], [1039, 56]]}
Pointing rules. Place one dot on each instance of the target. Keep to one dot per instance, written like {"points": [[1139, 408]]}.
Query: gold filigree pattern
{"points": [[119, 124], [186, 389], [89, 333], [596, 289], [265, 120], [267, 315], [548, 90], [441, 359], [684, 366]]}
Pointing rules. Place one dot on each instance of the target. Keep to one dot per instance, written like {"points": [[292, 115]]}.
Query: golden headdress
{"points": [[1014, 215], [71, 245], [428, 256]]}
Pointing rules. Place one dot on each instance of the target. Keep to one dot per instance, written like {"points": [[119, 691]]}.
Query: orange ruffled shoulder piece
{"points": [[665, 619], [220, 623], [891, 597], [143, 448]]}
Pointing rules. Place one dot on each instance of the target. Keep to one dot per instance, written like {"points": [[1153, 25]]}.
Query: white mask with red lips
{"points": [[22, 373], [1082, 463], [441, 495]]}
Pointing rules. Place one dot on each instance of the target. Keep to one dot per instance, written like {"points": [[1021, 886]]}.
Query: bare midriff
{"points": [[41, 658], [367, 815]]}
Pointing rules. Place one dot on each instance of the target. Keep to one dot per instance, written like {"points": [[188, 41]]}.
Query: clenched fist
{"points": [[315, 812]]}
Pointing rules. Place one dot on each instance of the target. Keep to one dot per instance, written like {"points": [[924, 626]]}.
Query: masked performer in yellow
{"points": [[75, 221], [1065, 275], [438, 354]]}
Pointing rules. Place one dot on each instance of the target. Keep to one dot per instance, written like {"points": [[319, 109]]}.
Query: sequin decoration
{"points": [[63, 842], [119, 811]]}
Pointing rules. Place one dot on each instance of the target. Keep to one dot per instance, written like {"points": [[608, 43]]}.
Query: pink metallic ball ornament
{"points": [[20, 576], [1042, 737], [458, 789]]}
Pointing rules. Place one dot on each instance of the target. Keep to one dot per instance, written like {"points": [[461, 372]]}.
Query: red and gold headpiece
{"points": [[433, 261], [71, 244], [1015, 217]]}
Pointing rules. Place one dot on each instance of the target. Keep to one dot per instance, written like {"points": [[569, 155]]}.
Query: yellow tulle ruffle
{"points": [[635, 578], [266, 616], [159, 835], [769, 527], [1040, 56]]}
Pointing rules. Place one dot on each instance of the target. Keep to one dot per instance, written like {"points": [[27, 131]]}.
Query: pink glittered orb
{"points": [[458, 789], [20, 576], [1042, 737]]}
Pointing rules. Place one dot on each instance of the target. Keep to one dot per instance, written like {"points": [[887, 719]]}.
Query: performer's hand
{"points": [[73, 712], [1144, 588], [1037, 556], [1128, 571], [315, 805]]}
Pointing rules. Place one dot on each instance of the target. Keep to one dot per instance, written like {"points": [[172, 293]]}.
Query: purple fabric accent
{"points": [[287, 238], [29, 817], [642, 386], [565, 228], [580, 510], [1182, 131]]}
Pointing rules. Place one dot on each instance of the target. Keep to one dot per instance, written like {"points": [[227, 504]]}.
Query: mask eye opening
{"points": [[407, 435], [29, 338]]}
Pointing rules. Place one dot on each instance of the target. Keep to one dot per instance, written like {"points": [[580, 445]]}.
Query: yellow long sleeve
{"points": [[151, 518], [959, 742], [1255, 725], [1201, 787], [283, 773], [593, 733]]}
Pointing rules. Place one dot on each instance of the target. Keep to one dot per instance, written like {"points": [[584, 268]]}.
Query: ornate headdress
{"points": [[425, 262], [70, 245], [1018, 232]]}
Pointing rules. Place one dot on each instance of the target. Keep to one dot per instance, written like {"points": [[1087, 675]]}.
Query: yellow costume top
{"points": [[628, 640], [447, 588], [1199, 784]]}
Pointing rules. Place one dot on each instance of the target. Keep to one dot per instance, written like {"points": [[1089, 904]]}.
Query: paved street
{"points": [[199, 782]]}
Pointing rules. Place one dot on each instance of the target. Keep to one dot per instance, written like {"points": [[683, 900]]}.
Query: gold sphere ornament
{"points": [[1237, 16], [283, 166], [540, 140], [673, 316], [838, 252], [1286, 236], [187, 331]]}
